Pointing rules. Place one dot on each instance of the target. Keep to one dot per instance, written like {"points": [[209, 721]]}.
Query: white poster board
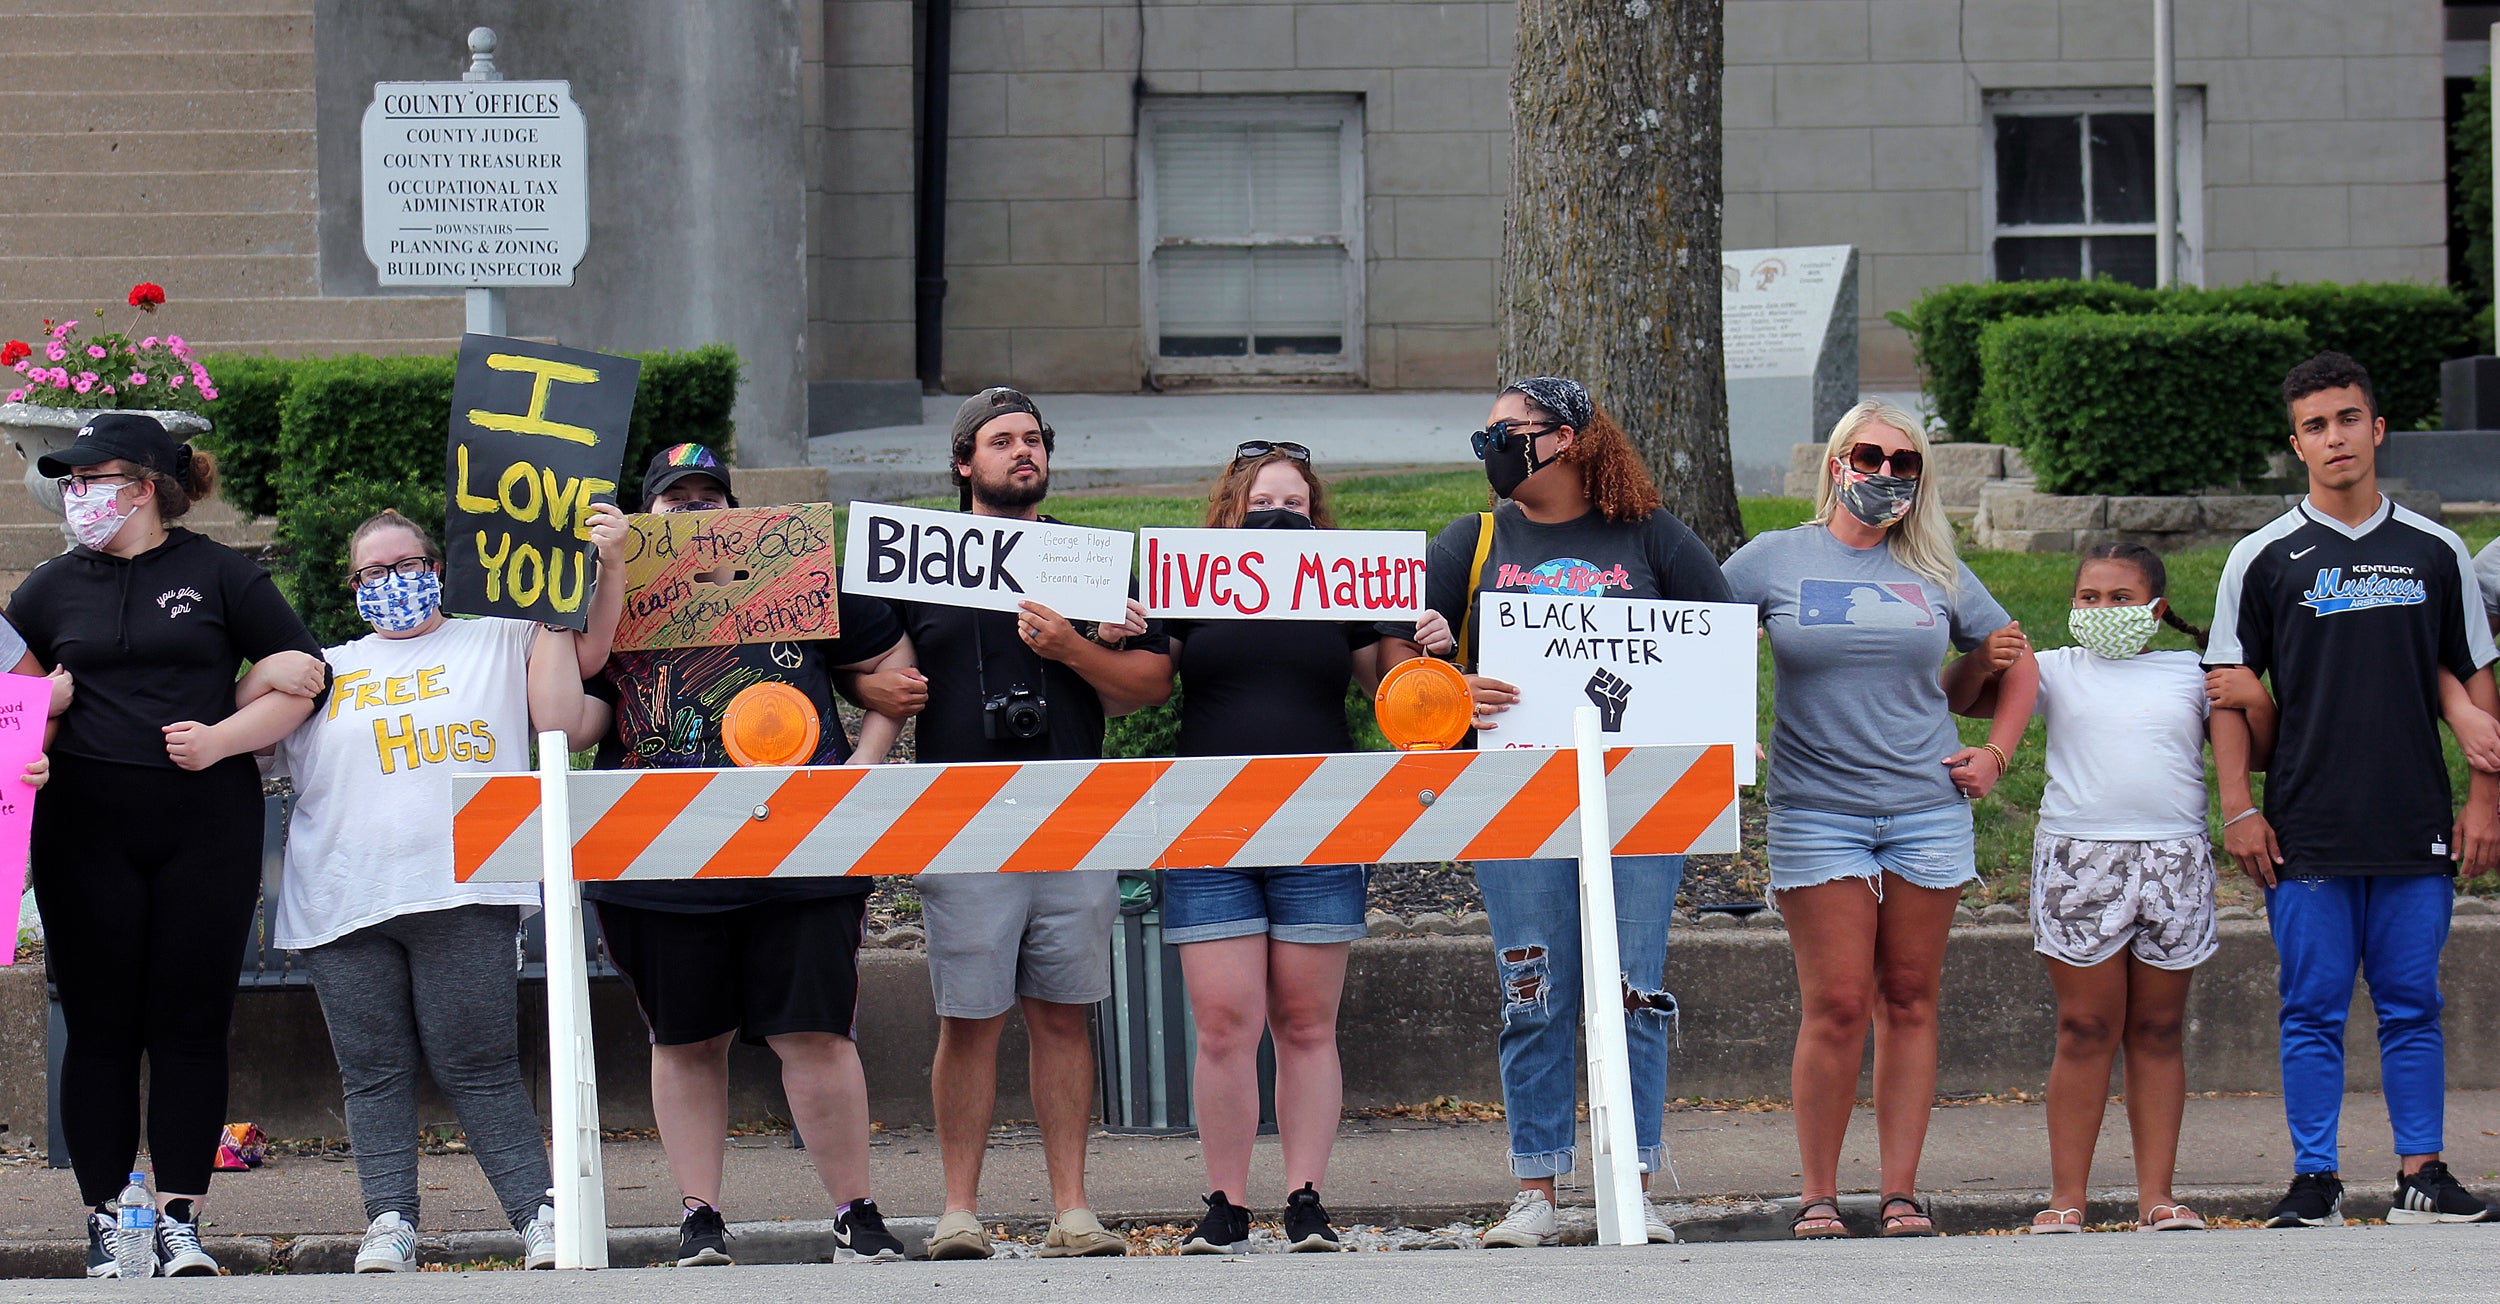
{"points": [[1282, 574], [475, 183], [1658, 672], [956, 559]]}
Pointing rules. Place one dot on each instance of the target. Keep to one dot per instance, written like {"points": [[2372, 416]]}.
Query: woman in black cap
{"points": [[146, 851]]}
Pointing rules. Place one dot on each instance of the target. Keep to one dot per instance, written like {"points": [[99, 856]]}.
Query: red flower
{"points": [[14, 352], [146, 295]]}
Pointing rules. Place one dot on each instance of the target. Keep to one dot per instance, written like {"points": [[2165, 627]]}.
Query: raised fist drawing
{"points": [[1611, 692]]}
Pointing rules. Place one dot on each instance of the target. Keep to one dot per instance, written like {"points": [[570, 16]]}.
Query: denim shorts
{"points": [[1291, 903], [1926, 848]]}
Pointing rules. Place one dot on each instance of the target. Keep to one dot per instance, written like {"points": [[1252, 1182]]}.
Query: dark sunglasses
{"points": [[1251, 448], [1496, 437], [1867, 459]]}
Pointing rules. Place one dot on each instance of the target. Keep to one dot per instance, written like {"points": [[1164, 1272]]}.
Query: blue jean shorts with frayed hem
{"points": [[1928, 848], [1290, 903]]}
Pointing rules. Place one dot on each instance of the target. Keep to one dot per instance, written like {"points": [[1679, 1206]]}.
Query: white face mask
{"points": [[2113, 632], [95, 518]]}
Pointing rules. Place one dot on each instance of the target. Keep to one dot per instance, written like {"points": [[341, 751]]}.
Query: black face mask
{"points": [[1275, 518], [1508, 466]]}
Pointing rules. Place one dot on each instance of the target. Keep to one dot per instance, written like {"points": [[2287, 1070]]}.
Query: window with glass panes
{"points": [[2073, 188], [1252, 214]]}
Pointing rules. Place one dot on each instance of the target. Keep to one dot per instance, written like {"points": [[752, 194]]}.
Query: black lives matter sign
{"points": [[955, 559], [537, 436]]}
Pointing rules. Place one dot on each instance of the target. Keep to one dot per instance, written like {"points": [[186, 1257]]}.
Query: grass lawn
{"points": [[2034, 588]]}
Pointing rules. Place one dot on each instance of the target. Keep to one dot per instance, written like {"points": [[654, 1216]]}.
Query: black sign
{"points": [[537, 436]]}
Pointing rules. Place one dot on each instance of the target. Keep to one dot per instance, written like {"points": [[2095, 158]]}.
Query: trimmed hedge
{"points": [[250, 391], [2152, 403], [312, 547], [2401, 332]]}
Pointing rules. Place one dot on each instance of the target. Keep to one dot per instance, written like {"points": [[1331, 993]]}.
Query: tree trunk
{"points": [[1610, 246]]}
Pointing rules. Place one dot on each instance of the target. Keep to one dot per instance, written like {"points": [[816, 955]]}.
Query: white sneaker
{"points": [[390, 1246], [1529, 1223], [1661, 1232], [538, 1240]]}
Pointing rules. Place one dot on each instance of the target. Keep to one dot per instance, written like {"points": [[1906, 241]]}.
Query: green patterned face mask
{"points": [[2113, 632]]}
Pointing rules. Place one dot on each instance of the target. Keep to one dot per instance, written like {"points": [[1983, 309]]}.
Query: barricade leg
{"points": [[581, 1201], [1615, 1165]]}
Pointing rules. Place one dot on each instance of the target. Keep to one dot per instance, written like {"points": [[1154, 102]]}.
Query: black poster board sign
{"points": [[537, 436]]}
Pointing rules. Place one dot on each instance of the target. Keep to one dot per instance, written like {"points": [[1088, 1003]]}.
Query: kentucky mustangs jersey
{"points": [[2353, 625]]}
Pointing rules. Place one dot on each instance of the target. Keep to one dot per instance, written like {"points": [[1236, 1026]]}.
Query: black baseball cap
{"points": [[119, 436], [676, 462]]}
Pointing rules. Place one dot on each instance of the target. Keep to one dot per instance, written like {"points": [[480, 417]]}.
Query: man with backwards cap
{"points": [[774, 962], [1016, 686]]}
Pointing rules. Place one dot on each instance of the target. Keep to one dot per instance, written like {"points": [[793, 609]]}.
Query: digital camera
{"points": [[1018, 714]]}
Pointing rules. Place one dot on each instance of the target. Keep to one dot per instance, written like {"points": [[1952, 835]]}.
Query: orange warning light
{"points": [[1423, 705], [771, 723]]}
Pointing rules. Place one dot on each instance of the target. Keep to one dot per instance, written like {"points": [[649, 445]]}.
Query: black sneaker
{"points": [[2315, 1200], [702, 1240], [101, 1264], [178, 1252], [1306, 1223], [861, 1230], [2433, 1195], [1225, 1229]]}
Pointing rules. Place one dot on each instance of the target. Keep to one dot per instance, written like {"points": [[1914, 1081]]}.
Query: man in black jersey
{"points": [[2353, 606]]}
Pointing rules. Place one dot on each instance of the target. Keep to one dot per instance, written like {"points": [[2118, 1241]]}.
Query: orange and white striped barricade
{"points": [[568, 827]]}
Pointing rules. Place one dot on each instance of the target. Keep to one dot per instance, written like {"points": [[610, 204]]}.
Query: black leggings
{"points": [[145, 873]]}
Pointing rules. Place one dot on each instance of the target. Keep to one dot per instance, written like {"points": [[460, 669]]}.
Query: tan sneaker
{"points": [[1077, 1233], [960, 1235]]}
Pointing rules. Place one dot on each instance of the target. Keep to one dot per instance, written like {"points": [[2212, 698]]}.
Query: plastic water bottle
{"points": [[134, 1230]]}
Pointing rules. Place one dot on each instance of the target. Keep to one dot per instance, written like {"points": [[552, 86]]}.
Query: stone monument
{"points": [[1789, 321]]}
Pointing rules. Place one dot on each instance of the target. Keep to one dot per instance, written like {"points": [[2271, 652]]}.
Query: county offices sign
{"points": [[475, 183]]}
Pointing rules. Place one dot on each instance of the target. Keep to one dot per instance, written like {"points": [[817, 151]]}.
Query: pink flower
{"points": [[95, 350], [108, 389], [84, 384], [148, 343], [208, 392], [60, 379], [21, 366], [17, 396], [173, 382], [173, 341], [55, 352], [138, 378], [61, 331]]}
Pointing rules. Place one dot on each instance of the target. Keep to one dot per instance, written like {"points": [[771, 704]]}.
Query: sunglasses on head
{"points": [[1262, 447], [1868, 459], [1497, 436]]}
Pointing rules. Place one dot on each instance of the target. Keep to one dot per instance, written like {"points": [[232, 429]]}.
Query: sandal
{"points": [[1824, 1211], [2059, 1220], [2170, 1218], [1916, 1222]]}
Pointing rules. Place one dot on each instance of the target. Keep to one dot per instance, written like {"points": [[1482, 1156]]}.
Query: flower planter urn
{"points": [[34, 430]]}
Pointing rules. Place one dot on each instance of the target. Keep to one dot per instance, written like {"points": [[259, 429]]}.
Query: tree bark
{"points": [[1610, 243]]}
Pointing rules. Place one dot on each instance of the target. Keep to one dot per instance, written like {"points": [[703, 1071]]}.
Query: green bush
{"points": [[683, 398], [251, 391], [311, 565], [359, 417], [2156, 403], [1944, 326]]}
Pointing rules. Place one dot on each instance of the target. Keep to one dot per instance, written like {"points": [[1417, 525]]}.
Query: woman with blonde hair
{"points": [[1870, 789]]}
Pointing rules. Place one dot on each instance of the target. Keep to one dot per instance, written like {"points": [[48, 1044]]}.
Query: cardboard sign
{"points": [[715, 579], [25, 702], [1658, 672], [1283, 574], [956, 559], [537, 436]]}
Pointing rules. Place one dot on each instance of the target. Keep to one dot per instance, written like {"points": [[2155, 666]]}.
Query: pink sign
{"points": [[25, 702]]}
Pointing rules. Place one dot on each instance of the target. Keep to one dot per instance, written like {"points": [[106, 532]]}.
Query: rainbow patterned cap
{"points": [[676, 462]]}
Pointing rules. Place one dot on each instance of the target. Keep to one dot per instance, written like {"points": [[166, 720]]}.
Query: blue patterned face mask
{"points": [[395, 604]]}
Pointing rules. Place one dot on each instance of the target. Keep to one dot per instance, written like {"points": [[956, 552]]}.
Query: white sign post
{"points": [[480, 183], [1283, 574], [581, 1196], [994, 563], [1658, 672], [1614, 1147]]}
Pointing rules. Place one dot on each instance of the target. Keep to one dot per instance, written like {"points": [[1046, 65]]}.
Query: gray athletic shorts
{"points": [[995, 937], [2091, 900]]}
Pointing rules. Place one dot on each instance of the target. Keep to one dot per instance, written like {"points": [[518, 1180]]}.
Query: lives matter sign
{"points": [[1283, 574], [537, 436], [745, 575], [1658, 672], [956, 559], [475, 183]]}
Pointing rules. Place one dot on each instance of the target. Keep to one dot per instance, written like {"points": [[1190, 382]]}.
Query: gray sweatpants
{"points": [[441, 984]]}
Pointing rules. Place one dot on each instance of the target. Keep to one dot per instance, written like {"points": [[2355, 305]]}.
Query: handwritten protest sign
{"points": [[713, 579], [537, 436], [1283, 574], [956, 559], [25, 701], [1658, 672]]}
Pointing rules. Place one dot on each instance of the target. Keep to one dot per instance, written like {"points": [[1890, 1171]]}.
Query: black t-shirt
{"points": [[1588, 556], [2353, 627], [971, 655], [151, 640], [668, 708], [1266, 687]]}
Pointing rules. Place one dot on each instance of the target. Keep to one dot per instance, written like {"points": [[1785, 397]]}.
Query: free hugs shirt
{"points": [[370, 838], [2126, 745], [2353, 625], [1858, 725]]}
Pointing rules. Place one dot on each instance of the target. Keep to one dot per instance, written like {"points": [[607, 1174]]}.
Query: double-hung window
{"points": [[2070, 185]]}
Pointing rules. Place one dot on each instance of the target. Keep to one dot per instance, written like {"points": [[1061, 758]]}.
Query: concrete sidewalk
{"points": [[1987, 1164]]}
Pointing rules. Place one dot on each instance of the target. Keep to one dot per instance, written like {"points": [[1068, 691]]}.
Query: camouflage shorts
{"points": [[2090, 900]]}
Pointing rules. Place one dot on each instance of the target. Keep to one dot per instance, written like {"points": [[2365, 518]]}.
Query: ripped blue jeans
{"points": [[1535, 908]]}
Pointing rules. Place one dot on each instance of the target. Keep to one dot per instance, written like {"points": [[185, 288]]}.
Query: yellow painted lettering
{"points": [[401, 743], [340, 689], [400, 690], [493, 563], [556, 596], [461, 497], [434, 744], [521, 474], [544, 373], [426, 687], [525, 594], [592, 487], [481, 742], [368, 693]]}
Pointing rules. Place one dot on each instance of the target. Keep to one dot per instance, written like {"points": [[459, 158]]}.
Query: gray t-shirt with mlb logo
{"points": [[1859, 725]]}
